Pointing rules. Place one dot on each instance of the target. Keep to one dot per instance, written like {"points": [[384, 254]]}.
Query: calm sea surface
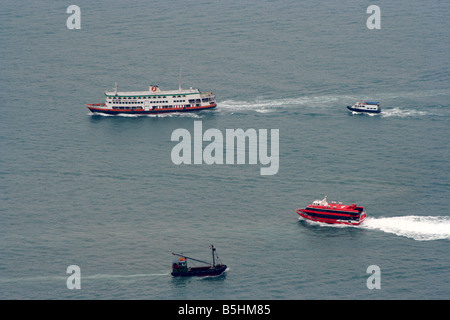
{"points": [[102, 192]]}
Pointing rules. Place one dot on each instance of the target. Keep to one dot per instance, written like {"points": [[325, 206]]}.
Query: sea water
{"points": [[102, 192]]}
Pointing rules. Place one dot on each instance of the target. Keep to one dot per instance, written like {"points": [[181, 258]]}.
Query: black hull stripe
{"points": [[352, 213], [331, 216], [325, 216]]}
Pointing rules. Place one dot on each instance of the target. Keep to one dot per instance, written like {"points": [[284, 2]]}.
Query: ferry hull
{"points": [[99, 108], [332, 217]]}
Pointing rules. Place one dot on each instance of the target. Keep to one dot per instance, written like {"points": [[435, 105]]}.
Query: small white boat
{"points": [[366, 107]]}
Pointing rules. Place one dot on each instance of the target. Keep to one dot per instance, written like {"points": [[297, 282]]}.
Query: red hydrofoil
{"points": [[334, 213]]}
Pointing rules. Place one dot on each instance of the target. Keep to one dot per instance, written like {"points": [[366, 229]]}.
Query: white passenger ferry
{"points": [[154, 101]]}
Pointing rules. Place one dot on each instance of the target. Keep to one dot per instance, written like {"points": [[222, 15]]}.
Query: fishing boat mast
{"points": [[213, 250]]}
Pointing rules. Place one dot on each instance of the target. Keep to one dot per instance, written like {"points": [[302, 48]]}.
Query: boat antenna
{"points": [[116, 88], [179, 82], [212, 251]]}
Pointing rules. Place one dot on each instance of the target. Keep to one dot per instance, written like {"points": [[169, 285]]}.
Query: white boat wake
{"points": [[402, 113], [421, 228], [272, 105], [84, 277], [337, 102]]}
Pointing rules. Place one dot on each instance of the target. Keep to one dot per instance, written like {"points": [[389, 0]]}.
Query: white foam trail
{"points": [[421, 228], [83, 277], [123, 276], [99, 114], [398, 112], [270, 105], [264, 105]]}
